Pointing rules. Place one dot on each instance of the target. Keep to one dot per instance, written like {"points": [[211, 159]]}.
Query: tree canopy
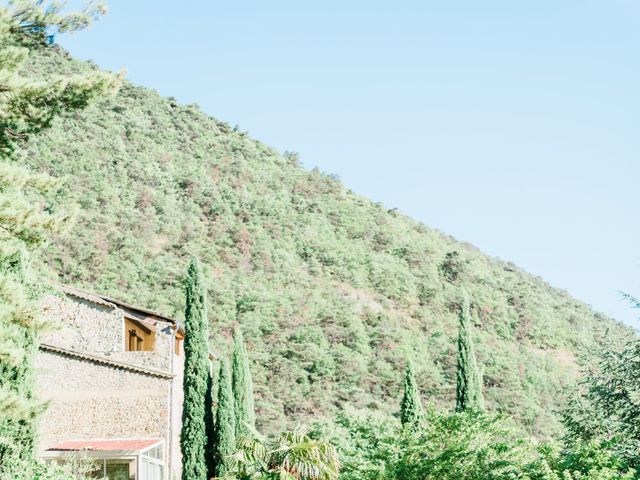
{"points": [[28, 104]]}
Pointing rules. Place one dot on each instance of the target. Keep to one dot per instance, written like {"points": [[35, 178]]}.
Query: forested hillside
{"points": [[333, 290]]}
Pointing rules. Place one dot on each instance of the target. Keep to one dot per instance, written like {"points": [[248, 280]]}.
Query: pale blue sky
{"points": [[511, 125]]}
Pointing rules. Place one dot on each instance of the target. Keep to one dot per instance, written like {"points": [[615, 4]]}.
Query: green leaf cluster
{"points": [[467, 445], [290, 455]]}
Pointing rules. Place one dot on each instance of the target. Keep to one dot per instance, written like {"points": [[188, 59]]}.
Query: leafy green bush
{"points": [[78, 467], [581, 461], [463, 446]]}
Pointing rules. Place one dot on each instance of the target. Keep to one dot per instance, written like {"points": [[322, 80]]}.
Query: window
{"points": [[139, 336], [150, 469], [119, 469], [155, 452], [136, 342], [179, 339]]}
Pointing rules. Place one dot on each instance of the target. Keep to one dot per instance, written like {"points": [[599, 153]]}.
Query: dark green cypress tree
{"points": [[224, 435], [209, 424], [196, 376], [468, 377], [411, 412], [242, 385]]}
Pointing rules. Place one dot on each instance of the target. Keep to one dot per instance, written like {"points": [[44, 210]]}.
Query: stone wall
{"points": [[89, 401], [159, 359], [84, 326]]}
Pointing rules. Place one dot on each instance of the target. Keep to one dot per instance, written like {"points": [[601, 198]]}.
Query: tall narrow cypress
{"points": [[242, 385], [468, 377], [224, 434], [411, 412], [196, 376], [209, 425]]}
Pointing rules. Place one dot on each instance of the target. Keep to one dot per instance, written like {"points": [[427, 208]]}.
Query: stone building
{"points": [[112, 373]]}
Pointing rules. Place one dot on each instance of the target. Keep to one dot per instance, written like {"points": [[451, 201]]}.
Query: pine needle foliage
{"points": [[411, 411], [224, 435], [468, 377], [242, 385], [196, 377], [605, 407], [28, 104]]}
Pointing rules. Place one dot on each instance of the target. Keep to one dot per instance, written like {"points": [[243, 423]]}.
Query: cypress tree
{"points": [[411, 407], [468, 377], [224, 434], [209, 424], [242, 385], [196, 377]]}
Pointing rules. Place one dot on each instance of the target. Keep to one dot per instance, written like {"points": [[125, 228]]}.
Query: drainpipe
{"points": [[171, 401]]}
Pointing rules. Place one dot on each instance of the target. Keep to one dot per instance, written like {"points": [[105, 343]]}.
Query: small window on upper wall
{"points": [[179, 343], [139, 336]]}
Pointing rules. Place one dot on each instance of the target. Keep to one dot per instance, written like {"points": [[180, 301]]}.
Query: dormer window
{"points": [[139, 336]]}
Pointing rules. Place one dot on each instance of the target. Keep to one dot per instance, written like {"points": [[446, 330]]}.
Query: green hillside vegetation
{"points": [[334, 292]]}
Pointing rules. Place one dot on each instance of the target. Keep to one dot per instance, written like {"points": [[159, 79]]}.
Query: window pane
{"points": [[118, 471], [155, 452]]}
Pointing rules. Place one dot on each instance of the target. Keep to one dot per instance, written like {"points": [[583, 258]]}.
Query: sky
{"points": [[510, 125]]}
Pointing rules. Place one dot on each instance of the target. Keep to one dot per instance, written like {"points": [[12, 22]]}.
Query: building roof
{"points": [[89, 297], [105, 361], [114, 303], [133, 445], [139, 313], [145, 312]]}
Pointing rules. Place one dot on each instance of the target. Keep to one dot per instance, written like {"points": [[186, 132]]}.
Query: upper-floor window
{"points": [[179, 343], [139, 336]]}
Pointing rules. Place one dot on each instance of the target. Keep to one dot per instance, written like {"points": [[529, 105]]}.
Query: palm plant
{"points": [[292, 455]]}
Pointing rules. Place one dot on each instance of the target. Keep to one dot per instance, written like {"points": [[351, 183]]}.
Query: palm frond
{"points": [[292, 455]]}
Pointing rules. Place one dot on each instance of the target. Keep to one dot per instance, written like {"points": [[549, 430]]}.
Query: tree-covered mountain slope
{"points": [[333, 291]]}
